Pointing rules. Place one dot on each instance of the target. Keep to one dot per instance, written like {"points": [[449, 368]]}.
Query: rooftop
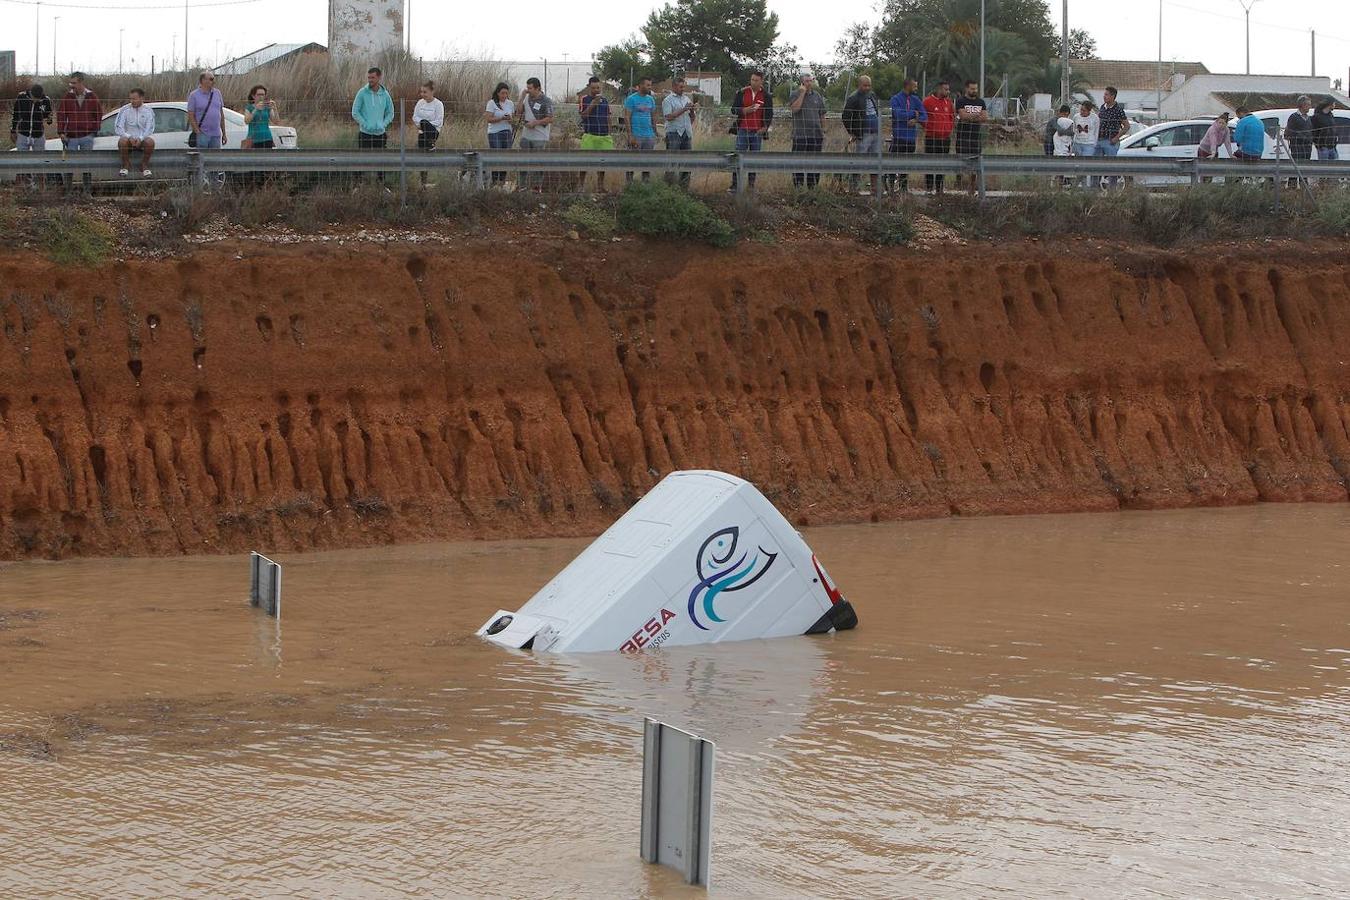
{"points": [[1130, 75]]}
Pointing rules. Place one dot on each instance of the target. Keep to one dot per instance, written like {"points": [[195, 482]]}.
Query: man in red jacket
{"points": [[79, 115], [937, 135], [752, 109]]}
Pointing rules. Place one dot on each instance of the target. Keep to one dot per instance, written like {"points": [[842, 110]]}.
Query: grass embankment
{"points": [[73, 231]]}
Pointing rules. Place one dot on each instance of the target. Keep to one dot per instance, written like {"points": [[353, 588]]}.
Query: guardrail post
{"points": [[1277, 180], [740, 173], [1195, 171], [402, 152], [194, 169], [979, 165], [478, 174]]}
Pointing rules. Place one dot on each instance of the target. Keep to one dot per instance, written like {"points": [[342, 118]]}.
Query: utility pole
{"points": [[185, 35], [120, 32], [1247, 9], [173, 52], [981, 64], [37, 39], [55, 19], [1313, 71], [1063, 59], [1158, 106]]}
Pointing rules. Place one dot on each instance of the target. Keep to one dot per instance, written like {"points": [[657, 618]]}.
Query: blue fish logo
{"points": [[721, 571]]}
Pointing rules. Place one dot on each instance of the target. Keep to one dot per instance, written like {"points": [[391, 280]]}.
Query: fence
{"points": [[475, 167]]}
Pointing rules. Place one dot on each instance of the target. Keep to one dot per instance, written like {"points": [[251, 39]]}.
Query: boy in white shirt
{"points": [[135, 128]]}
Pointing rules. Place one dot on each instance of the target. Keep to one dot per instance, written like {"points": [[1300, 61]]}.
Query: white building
{"points": [[363, 28], [1209, 94]]}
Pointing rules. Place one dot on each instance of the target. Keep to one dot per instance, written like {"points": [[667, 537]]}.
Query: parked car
{"points": [[171, 129]]}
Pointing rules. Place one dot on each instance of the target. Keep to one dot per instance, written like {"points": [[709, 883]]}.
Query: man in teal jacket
{"points": [[1249, 135], [373, 110]]}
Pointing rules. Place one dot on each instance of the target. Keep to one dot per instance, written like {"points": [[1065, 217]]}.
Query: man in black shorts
{"points": [[971, 115]]}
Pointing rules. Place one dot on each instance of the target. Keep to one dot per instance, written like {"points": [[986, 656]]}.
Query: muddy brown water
{"points": [[1093, 704]]}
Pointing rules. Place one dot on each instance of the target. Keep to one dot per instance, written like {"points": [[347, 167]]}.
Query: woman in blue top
{"points": [[260, 114]]}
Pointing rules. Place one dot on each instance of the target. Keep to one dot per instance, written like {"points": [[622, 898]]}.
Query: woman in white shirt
{"points": [[428, 117], [498, 115]]}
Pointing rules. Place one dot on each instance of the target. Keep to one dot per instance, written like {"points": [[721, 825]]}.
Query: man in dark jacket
{"points": [[28, 123], [862, 121], [1324, 130], [1298, 131], [752, 109]]}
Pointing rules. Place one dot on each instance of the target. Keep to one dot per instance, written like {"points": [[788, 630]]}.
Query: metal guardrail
{"points": [[480, 162]]}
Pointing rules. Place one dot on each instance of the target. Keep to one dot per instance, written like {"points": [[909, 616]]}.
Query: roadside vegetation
{"points": [[79, 230]]}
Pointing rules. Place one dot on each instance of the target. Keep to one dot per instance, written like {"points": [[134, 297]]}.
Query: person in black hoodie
{"points": [[1324, 130], [1298, 131], [28, 123]]}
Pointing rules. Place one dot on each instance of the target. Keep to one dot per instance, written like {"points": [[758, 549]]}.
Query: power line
{"points": [[1236, 18], [105, 8]]}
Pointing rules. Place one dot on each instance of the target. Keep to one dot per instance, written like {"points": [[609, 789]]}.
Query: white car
{"points": [[171, 129]]}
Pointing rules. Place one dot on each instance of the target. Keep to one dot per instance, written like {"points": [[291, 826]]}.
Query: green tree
{"points": [[942, 38], [727, 36], [623, 63], [1082, 45]]}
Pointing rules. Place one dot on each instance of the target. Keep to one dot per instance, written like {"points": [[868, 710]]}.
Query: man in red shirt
{"points": [[937, 135], [79, 115], [753, 109]]}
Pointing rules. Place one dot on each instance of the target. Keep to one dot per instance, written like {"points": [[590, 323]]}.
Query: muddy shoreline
{"points": [[309, 397]]}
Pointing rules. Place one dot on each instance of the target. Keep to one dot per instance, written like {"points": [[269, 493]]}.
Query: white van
{"points": [[1274, 121], [703, 558]]}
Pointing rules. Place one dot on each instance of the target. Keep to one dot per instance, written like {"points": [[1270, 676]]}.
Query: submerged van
{"points": [[703, 558]]}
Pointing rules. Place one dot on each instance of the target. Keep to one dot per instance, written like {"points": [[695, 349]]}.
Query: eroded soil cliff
{"points": [[296, 398]]}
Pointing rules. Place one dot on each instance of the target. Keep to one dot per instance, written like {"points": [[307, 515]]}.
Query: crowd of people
{"points": [[79, 114], [947, 122]]}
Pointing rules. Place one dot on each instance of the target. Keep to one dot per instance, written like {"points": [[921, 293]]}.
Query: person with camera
{"points": [[260, 114], [677, 110]]}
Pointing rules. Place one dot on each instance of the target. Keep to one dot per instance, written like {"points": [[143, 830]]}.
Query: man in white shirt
{"points": [[135, 128], [677, 111]]}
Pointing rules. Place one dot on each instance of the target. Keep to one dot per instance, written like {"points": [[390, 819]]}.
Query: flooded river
{"points": [[1087, 705]]}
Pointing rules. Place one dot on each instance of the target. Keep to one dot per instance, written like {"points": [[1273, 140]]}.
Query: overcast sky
{"points": [[1210, 31]]}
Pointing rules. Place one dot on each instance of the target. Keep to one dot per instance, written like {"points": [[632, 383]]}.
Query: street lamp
{"points": [[1247, 9]]}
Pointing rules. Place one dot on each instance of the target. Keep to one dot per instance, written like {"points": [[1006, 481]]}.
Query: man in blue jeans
{"points": [[641, 107], [752, 108], [1113, 127], [206, 116]]}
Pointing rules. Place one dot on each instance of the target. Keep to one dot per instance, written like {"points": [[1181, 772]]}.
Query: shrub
{"points": [[589, 219], [661, 210], [890, 228], [72, 239]]}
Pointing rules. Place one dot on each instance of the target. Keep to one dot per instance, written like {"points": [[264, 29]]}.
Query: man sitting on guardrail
{"points": [[135, 129], [1250, 136]]}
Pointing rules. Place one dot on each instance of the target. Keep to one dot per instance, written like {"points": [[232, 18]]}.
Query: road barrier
{"points": [[475, 164]]}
